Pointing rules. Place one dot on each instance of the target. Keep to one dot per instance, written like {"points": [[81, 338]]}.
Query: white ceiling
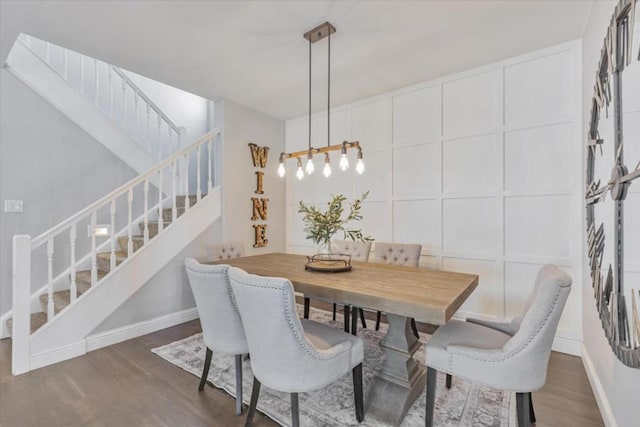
{"points": [[253, 52]]}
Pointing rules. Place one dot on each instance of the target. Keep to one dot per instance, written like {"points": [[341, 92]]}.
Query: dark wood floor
{"points": [[127, 385]]}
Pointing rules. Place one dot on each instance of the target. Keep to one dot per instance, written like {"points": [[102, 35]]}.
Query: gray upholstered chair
{"points": [[398, 254], [221, 324], [288, 354], [358, 251], [509, 356], [225, 250]]}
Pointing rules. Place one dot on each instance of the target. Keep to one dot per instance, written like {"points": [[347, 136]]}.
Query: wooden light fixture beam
{"points": [[305, 153]]}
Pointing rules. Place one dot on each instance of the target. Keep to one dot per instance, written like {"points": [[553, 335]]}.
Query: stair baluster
{"points": [[124, 106], [82, 73], [209, 159], [146, 211], [159, 137], [160, 206], [112, 259], [148, 132], [135, 105], [130, 223], [94, 255], [73, 288], [50, 308], [186, 182], [96, 86], [111, 112], [174, 209], [198, 158]]}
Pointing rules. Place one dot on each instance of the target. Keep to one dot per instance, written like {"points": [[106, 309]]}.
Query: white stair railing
{"points": [[113, 93], [24, 248]]}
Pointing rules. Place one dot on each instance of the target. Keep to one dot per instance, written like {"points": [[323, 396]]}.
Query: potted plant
{"points": [[322, 226]]}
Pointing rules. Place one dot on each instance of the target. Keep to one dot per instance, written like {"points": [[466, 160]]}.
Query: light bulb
{"points": [[309, 168], [281, 170], [344, 162], [327, 166], [299, 172], [360, 166]]}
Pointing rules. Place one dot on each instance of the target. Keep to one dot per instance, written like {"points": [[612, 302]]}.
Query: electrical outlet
{"points": [[13, 206]]}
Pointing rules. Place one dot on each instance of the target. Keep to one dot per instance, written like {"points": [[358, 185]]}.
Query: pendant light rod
{"points": [[310, 95], [329, 90]]}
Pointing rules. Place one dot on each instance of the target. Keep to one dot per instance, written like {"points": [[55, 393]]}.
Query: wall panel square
{"points": [[417, 221], [540, 91], [371, 124], [376, 221], [487, 299], [471, 165], [539, 226], [417, 116], [471, 225], [376, 178], [416, 170], [539, 159], [470, 105]]}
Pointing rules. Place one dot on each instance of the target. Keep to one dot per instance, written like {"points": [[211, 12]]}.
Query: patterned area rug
{"points": [[464, 405]]}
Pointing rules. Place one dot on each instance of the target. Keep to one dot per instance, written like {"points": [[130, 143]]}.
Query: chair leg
{"points": [[347, 315], [432, 376], [532, 414], [307, 304], [205, 371], [522, 408], [414, 328], [448, 380], [295, 410], [238, 384], [378, 320], [354, 320], [335, 308], [357, 392], [364, 323], [255, 392]]}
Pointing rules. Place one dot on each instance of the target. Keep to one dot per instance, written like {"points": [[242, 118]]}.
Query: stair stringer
{"points": [[65, 336], [46, 82]]}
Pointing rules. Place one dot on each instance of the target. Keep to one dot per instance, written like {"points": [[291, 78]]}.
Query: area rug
{"points": [[464, 405]]}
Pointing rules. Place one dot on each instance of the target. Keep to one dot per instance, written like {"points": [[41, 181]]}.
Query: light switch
{"points": [[13, 206]]}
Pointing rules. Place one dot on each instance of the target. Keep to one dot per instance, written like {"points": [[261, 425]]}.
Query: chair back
{"points": [[225, 250], [359, 251], [398, 254], [281, 356], [539, 322], [219, 317]]}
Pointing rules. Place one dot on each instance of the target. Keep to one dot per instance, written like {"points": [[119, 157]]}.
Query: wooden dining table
{"points": [[429, 296]]}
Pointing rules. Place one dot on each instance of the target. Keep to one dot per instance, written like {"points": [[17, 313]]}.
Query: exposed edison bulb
{"points": [[299, 172], [327, 166], [360, 166], [281, 170], [344, 162], [309, 168]]}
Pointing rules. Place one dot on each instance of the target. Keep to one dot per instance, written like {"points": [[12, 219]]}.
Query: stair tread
{"points": [[37, 320], [85, 275], [61, 299], [120, 255]]}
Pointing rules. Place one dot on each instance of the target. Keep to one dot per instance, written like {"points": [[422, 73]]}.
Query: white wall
{"points": [[243, 125], [482, 168], [616, 386], [52, 165]]}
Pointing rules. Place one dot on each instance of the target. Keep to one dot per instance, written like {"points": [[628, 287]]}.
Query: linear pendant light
{"points": [[314, 35]]}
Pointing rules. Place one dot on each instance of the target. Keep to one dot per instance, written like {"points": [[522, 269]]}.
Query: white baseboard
{"points": [[56, 355], [568, 346], [114, 336], [601, 397]]}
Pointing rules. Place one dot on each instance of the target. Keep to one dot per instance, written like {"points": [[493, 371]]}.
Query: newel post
{"points": [[21, 332]]}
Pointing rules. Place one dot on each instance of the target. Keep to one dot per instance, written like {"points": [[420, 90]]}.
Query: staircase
{"points": [[62, 298], [132, 232]]}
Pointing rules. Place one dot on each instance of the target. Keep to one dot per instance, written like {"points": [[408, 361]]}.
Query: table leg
{"points": [[402, 379]]}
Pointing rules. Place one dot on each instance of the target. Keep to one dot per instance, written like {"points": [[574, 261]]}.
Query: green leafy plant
{"points": [[321, 226]]}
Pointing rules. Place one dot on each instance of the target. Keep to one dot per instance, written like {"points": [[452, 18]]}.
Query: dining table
{"points": [[427, 295]]}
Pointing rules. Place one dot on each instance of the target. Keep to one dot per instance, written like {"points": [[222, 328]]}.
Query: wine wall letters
{"points": [[259, 205]]}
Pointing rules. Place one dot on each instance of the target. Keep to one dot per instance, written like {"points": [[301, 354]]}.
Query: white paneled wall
{"points": [[482, 168]]}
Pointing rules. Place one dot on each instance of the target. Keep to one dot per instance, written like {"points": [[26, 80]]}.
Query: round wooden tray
{"points": [[334, 263]]}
